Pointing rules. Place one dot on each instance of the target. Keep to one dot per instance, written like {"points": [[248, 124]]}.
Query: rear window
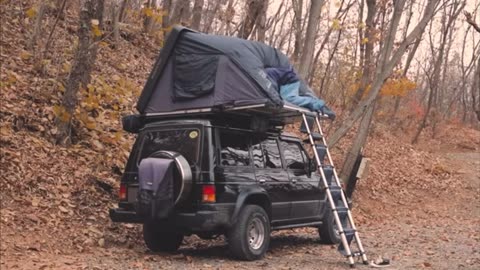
{"points": [[183, 141]]}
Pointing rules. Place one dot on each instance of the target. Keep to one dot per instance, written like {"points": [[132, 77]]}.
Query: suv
{"points": [[236, 181]]}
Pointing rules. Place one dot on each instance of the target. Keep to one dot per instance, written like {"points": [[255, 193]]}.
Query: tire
{"points": [[252, 222], [328, 232], [182, 175], [157, 238]]}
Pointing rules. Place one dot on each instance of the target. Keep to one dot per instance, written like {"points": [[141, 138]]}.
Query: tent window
{"points": [[194, 75]]}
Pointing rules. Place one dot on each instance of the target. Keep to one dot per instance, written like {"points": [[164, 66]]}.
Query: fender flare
{"points": [[244, 195]]}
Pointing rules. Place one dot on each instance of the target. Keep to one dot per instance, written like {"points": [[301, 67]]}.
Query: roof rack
{"points": [[286, 114]]}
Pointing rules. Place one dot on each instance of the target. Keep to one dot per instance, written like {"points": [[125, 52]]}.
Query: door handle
{"points": [[262, 181]]}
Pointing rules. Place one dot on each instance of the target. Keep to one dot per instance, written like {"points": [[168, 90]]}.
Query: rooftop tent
{"points": [[196, 70]]}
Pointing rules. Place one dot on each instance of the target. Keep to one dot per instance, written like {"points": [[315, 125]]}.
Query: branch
{"points": [[471, 21]]}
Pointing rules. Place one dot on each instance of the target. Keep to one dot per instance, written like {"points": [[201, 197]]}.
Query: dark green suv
{"points": [[227, 179]]}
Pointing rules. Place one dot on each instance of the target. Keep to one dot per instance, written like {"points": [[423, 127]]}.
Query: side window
{"points": [[233, 149], [294, 157], [271, 154]]}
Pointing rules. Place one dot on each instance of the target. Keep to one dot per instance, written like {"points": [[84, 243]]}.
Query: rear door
{"points": [[234, 169], [305, 191], [271, 175]]}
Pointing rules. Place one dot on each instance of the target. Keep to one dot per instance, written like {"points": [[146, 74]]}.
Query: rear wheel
{"points": [[159, 238], [249, 237]]}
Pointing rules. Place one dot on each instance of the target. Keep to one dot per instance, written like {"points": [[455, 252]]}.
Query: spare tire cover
{"points": [[182, 174]]}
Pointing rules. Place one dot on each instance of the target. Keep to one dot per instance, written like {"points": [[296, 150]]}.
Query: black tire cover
{"points": [[182, 174]]}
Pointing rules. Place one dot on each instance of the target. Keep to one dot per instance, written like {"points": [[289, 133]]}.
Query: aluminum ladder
{"points": [[335, 195]]}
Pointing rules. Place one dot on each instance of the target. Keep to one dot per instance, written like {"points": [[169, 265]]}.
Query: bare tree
{"points": [[384, 69], [262, 22], [309, 43], [166, 6], [197, 14], [364, 127], [115, 24], [298, 10], [471, 21], [253, 12], [83, 62], [59, 15], [447, 22], [207, 27], [181, 12], [367, 60], [121, 14], [37, 27]]}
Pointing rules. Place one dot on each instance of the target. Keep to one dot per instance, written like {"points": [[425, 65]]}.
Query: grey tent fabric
{"points": [[155, 195], [196, 70]]}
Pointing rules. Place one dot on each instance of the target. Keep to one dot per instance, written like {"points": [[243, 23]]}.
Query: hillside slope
{"points": [[55, 200]]}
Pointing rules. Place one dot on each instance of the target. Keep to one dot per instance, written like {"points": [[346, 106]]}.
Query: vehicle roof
{"points": [[205, 122]]}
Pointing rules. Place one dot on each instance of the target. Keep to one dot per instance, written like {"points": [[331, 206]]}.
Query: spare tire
{"points": [[182, 174]]}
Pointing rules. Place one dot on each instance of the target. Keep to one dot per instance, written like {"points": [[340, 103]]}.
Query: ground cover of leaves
{"points": [[419, 205]]}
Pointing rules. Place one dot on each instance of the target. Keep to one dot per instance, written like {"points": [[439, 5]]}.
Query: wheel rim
{"points": [[335, 228], [256, 233]]}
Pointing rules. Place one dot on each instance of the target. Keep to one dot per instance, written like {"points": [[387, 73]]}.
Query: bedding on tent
{"points": [[196, 70]]}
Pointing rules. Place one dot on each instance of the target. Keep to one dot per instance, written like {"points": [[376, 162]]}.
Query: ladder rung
{"points": [[316, 136], [328, 172], [321, 151], [349, 233], [342, 212], [336, 193], [310, 121]]}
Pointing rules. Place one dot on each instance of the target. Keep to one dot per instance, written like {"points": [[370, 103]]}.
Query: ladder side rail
{"points": [[329, 196], [344, 199]]}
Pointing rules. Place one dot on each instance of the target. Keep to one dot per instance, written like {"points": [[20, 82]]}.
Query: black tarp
{"points": [[196, 70], [155, 194]]}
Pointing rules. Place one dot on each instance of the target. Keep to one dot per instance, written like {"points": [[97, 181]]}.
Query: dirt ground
{"points": [[434, 232]]}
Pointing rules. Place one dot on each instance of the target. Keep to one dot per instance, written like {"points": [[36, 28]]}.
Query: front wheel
{"points": [[158, 238], [249, 237], [328, 231]]}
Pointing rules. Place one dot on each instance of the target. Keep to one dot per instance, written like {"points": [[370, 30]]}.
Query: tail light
{"points": [[122, 192], [208, 194]]}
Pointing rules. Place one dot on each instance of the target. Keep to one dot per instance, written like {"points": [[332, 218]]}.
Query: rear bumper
{"points": [[126, 216], [212, 219]]}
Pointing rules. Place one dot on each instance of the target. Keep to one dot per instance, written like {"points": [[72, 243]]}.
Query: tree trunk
{"points": [[262, 22], [181, 12], [211, 17], [121, 15], [411, 54], [298, 10], [83, 62], [37, 27], [358, 145], [197, 14], [341, 13], [166, 6], [309, 43], [253, 12], [115, 25], [60, 10], [437, 68], [147, 19], [367, 57], [384, 72], [385, 52], [476, 91]]}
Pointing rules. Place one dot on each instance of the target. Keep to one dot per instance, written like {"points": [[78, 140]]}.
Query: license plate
{"points": [[132, 194]]}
